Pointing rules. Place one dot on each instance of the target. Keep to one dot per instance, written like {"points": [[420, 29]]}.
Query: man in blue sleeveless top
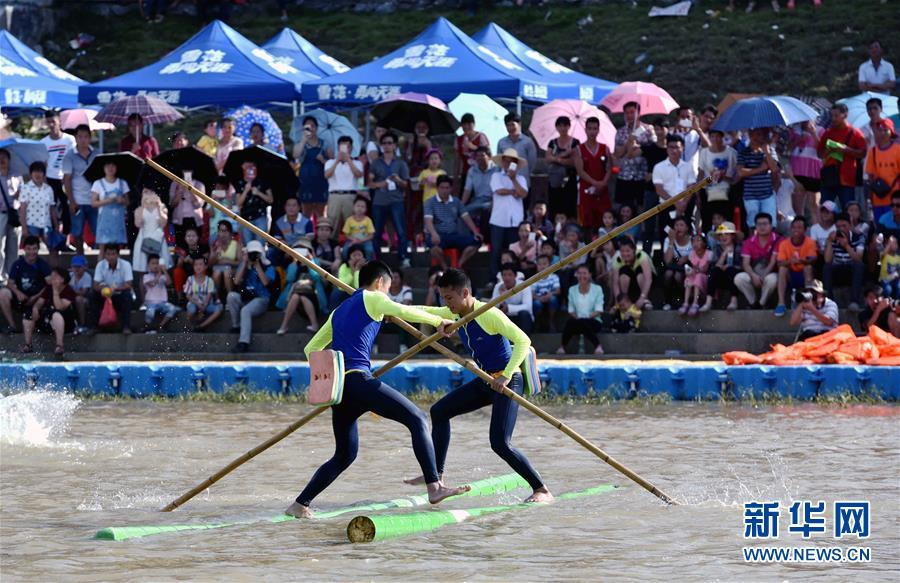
{"points": [[351, 329], [487, 338]]}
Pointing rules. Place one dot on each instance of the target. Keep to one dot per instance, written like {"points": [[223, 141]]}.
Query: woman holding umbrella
{"points": [[311, 154], [110, 196]]}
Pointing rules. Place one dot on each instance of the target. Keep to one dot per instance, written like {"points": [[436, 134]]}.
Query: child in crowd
{"points": [[627, 316], [156, 297], [712, 238], [110, 196], [560, 222], [203, 306], [696, 276], [540, 222], [604, 259], [186, 255], [608, 222], [428, 177], [510, 256], [626, 213], [546, 296], [81, 283], [359, 230], [571, 243], [548, 248], [223, 193], [889, 276], [209, 141], [37, 210]]}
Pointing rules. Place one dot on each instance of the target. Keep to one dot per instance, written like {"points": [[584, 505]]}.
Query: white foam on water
{"points": [[35, 418]]}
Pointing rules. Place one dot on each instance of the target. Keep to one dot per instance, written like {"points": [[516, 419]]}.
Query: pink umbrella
{"points": [[72, 118], [543, 122], [652, 99]]}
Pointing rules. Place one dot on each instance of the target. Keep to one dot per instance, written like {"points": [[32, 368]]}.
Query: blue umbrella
{"points": [[857, 116], [22, 153], [245, 116], [331, 127], [764, 112]]}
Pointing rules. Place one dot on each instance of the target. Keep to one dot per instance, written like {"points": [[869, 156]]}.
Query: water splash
{"points": [[767, 478], [35, 418]]}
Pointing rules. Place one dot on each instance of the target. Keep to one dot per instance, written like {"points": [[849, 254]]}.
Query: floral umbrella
{"points": [[245, 116]]}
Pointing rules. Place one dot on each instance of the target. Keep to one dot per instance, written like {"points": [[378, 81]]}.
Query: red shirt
{"points": [[67, 293], [149, 146], [594, 164], [849, 136], [756, 252], [467, 155]]}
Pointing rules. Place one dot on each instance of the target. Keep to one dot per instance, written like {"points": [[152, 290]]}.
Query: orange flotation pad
{"points": [[838, 346]]}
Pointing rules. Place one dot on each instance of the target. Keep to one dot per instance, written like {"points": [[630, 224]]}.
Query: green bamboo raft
{"points": [[364, 529], [486, 487]]}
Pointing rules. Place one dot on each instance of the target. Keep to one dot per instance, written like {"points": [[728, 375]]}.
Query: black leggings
{"points": [[722, 278], [363, 393], [473, 396], [587, 327]]}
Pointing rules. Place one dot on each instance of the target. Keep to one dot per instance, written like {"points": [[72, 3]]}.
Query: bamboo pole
{"points": [[468, 365]]}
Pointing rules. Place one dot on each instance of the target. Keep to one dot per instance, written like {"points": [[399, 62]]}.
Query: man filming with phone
{"points": [[814, 312]]}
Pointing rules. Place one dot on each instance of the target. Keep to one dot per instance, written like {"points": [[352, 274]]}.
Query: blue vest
{"points": [[491, 351], [353, 332]]}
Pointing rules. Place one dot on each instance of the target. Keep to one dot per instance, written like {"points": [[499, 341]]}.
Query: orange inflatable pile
{"points": [[838, 346]]}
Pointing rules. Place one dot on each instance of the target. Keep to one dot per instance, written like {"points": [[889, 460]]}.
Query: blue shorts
{"points": [[211, 308], [84, 213], [37, 231], [453, 241], [796, 280]]}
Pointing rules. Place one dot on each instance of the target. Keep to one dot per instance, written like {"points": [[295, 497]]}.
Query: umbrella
{"points": [[543, 122], [72, 118], [403, 110], [857, 116], [331, 127], [152, 109], [177, 161], [652, 98], [245, 116], [274, 169], [488, 114], [22, 153], [128, 166], [764, 112]]}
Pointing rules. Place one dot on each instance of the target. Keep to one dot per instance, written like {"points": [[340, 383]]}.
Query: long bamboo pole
{"points": [[406, 327]]}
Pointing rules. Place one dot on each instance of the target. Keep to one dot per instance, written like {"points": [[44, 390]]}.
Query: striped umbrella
{"points": [[245, 116], [152, 109]]}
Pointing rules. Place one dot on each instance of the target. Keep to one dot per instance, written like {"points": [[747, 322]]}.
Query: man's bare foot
{"points": [[437, 491], [415, 481], [540, 495], [298, 510]]}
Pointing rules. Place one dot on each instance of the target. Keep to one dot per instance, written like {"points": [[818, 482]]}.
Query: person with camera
{"points": [[880, 311], [844, 259], [814, 312], [253, 282]]}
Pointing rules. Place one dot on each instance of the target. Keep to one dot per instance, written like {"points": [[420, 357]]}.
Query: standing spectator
{"points": [[673, 175], [179, 141], [156, 297], [9, 216], [796, 256], [418, 149], [522, 144], [224, 257], [805, 165], [689, 128], [696, 276], [150, 219], [113, 277], [185, 256], [209, 141], [633, 274], [373, 147], [467, 146], [840, 147], [311, 154], [109, 195], [509, 187], [58, 145], [258, 135], [428, 178], [758, 261], [203, 305], [874, 109], [720, 161], [78, 188], [519, 306], [654, 152], [883, 168], [820, 231], [136, 141], [629, 156], [254, 198], [27, 278], [677, 249], [187, 207], [37, 209], [228, 143], [877, 74], [585, 309], [760, 174], [343, 174], [562, 153], [389, 177], [82, 283], [815, 316], [443, 215], [253, 280], [54, 311], [844, 260], [546, 297], [477, 194], [359, 230], [593, 164], [727, 267]]}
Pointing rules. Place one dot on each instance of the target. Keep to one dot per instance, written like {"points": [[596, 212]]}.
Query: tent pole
{"points": [[294, 107], [101, 141], [519, 106], [302, 108]]}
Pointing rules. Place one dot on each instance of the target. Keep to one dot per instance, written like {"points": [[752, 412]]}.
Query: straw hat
{"points": [[726, 228], [816, 286], [510, 153], [325, 222]]}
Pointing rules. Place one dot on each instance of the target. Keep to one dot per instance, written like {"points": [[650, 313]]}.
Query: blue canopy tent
{"points": [[590, 89], [28, 80], [443, 62], [295, 50], [216, 67]]}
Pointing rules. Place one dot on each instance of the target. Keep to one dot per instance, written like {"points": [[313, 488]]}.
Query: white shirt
{"points": [[39, 199], [719, 190], [674, 179], [692, 149], [820, 235], [521, 302], [869, 74], [507, 211], [113, 277], [56, 151], [343, 178]]}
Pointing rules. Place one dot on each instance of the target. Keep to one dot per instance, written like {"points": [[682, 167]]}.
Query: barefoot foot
{"points": [[541, 495], [298, 510], [437, 491], [415, 481]]}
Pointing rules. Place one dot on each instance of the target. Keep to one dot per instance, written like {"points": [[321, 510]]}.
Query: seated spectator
{"points": [[541, 224], [224, 257], [822, 230], [796, 256], [608, 222], [696, 276], [344, 175], [433, 295], [156, 297], [185, 256], [546, 297], [81, 283], [604, 264], [27, 278], [109, 195], [585, 308], [402, 294], [726, 268], [113, 278], [53, 312], [560, 222], [844, 260], [889, 274], [224, 194], [712, 238], [526, 248], [633, 274], [290, 227], [626, 213], [626, 315], [254, 197], [187, 207], [253, 284], [676, 254], [569, 244], [325, 250], [519, 306], [883, 168], [203, 305], [816, 313], [428, 178], [879, 311], [443, 215], [759, 263], [301, 293], [509, 188], [548, 248], [37, 208], [509, 256], [477, 193], [348, 273], [889, 223], [358, 230]]}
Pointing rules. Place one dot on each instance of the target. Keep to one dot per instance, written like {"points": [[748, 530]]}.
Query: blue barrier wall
{"points": [[688, 382]]}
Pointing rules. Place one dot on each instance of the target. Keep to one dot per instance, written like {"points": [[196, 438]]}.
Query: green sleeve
{"points": [[496, 322], [378, 305], [442, 311], [320, 340]]}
